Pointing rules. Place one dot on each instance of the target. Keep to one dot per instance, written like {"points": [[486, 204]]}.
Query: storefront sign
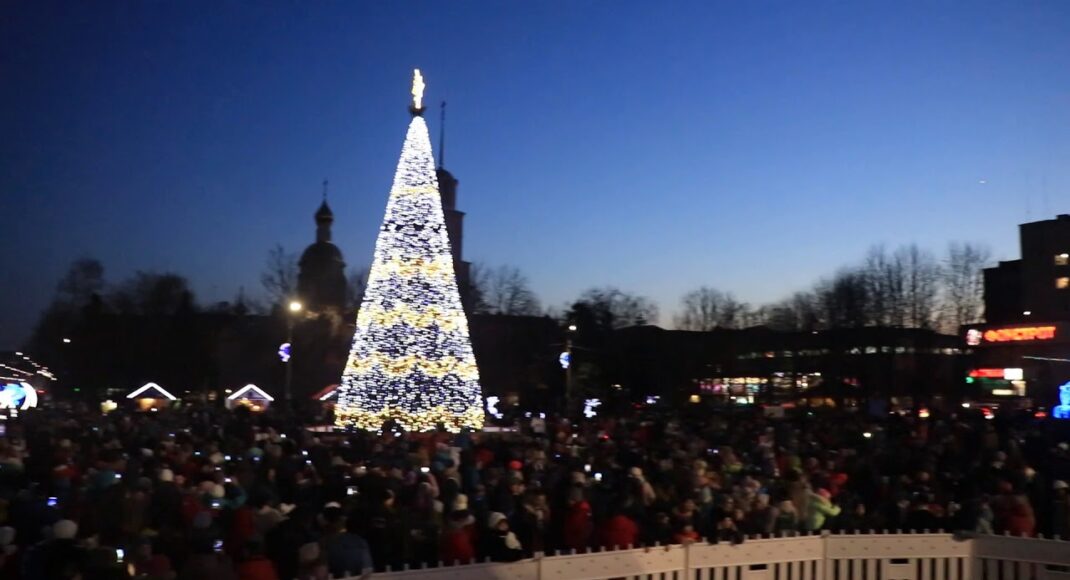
{"points": [[1013, 374], [976, 336]]}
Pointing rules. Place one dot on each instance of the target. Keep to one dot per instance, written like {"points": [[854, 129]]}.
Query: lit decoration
{"points": [[108, 406], [1011, 334], [1062, 410], [589, 407], [695, 399], [418, 90], [411, 361], [143, 391], [565, 359], [653, 399], [17, 396], [923, 413], [327, 393], [492, 407], [250, 396], [284, 352]]}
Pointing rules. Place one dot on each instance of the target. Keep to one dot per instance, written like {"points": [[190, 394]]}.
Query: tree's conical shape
{"points": [[411, 360]]}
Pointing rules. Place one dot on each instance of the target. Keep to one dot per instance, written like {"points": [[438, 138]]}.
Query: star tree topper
{"points": [[417, 92]]}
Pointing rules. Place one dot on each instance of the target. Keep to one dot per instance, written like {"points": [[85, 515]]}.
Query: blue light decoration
{"points": [[17, 396], [565, 359], [284, 352], [1062, 410]]}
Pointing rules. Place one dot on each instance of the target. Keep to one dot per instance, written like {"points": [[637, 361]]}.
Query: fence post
{"points": [[687, 561], [824, 566], [971, 566]]}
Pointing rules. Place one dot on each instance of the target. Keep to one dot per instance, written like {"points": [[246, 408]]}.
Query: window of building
{"points": [[1062, 282], [1062, 259]]}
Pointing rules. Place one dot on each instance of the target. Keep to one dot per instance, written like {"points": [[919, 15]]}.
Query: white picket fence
{"points": [[885, 556]]}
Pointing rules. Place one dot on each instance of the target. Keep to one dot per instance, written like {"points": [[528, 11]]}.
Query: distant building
{"points": [[756, 365], [1023, 348], [321, 281], [1036, 286], [447, 188]]}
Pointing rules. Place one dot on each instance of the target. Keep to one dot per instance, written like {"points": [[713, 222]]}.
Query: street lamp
{"points": [[566, 361], [295, 307]]}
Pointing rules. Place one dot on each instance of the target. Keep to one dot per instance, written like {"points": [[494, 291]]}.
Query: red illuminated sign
{"points": [[987, 373], [1019, 334]]}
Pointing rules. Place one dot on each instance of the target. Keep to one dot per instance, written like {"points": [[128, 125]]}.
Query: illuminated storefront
{"points": [[1017, 360]]}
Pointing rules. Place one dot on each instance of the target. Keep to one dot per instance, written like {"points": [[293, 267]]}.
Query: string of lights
{"points": [[411, 361]]}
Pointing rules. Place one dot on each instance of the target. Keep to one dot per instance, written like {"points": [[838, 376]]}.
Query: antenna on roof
{"points": [[442, 136]]}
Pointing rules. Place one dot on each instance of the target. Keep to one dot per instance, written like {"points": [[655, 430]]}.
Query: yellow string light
{"points": [[411, 360]]}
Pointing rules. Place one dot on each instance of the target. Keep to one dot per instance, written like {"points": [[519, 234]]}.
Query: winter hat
{"points": [[460, 503], [64, 530], [167, 475], [494, 519], [824, 493], [310, 552], [516, 465], [1060, 484]]}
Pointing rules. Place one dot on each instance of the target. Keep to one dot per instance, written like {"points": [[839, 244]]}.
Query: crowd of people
{"points": [[202, 493]]}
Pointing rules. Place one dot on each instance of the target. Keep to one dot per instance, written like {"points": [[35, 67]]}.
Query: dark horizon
{"points": [[656, 149]]}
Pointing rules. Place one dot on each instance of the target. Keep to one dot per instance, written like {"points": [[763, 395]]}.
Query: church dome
{"points": [[321, 253]]}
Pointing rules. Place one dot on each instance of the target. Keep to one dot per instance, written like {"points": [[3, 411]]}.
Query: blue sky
{"points": [[654, 146]]}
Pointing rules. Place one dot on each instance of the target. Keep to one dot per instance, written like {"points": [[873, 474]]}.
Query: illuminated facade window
{"points": [[1062, 259], [1062, 282]]}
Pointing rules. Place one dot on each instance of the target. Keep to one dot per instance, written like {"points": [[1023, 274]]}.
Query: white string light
{"points": [[411, 360]]}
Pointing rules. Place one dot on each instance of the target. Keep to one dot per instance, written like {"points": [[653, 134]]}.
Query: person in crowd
{"points": [[501, 544], [227, 494], [347, 554]]}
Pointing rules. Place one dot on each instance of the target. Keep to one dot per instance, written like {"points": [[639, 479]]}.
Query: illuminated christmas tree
{"points": [[411, 360]]}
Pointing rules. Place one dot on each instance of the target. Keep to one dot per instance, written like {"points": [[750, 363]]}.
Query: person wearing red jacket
{"points": [[457, 543], [255, 566], [1021, 521], [619, 531], [577, 527]]}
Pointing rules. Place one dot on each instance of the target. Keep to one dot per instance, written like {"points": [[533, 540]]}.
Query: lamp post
{"points": [[567, 363], [295, 307]]}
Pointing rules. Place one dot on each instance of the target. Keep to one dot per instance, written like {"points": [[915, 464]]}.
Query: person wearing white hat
{"points": [[501, 544]]}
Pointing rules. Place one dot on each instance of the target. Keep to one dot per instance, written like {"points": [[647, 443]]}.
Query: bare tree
{"points": [[617, 309], [921, 285], [279, 277], [707, 308], [963, 295], [505, 290], [843, 301], [83, 280]]}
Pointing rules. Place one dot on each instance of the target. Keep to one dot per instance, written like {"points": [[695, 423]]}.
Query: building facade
{"points": [[1023, 348]]}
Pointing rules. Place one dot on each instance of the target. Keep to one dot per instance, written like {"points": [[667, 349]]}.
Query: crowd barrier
{"points": [[861, 556]]}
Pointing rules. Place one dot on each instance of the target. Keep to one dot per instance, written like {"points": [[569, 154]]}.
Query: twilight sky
{"points": [[656, 146]]}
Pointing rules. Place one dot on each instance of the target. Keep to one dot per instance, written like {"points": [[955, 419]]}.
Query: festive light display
{"points": [[143, 389], [1062, 410], [18, 396], [589, 407], [492, 407], [411, 360]]}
